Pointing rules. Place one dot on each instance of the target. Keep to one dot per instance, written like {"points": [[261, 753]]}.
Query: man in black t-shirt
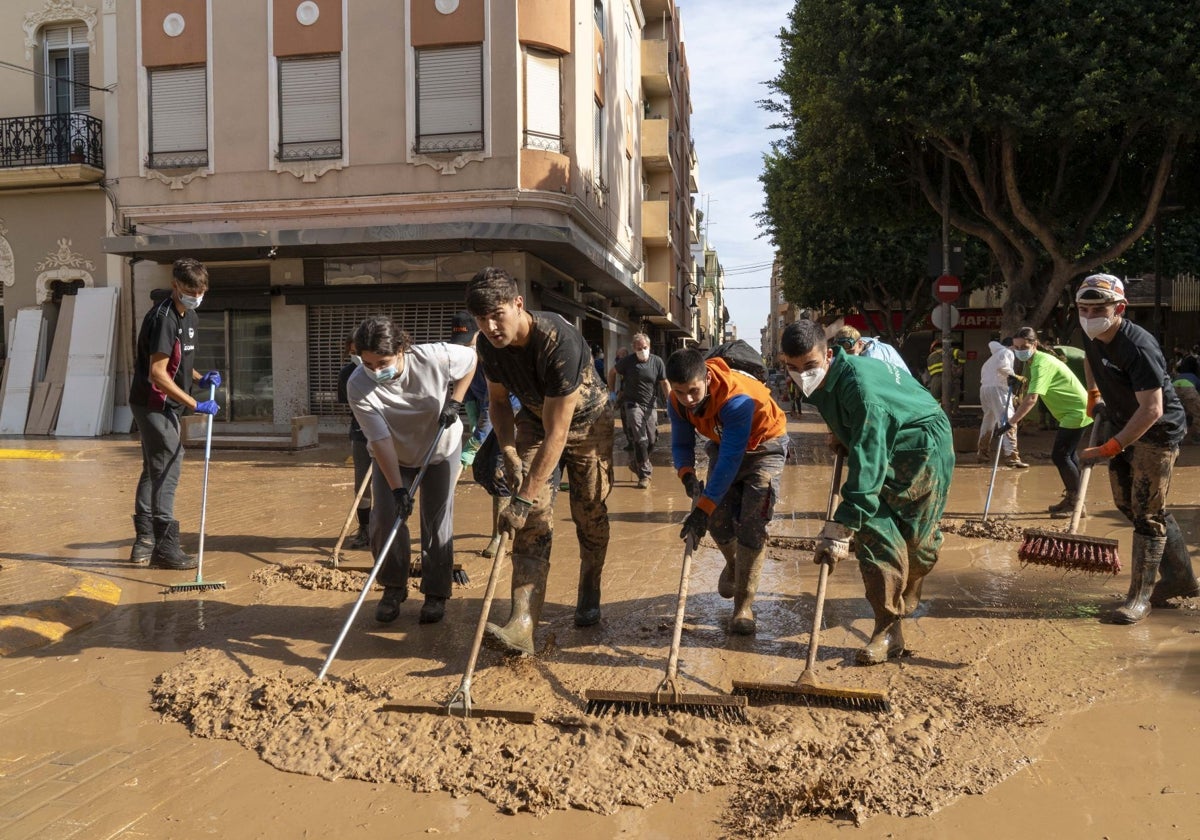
{"points": [[544, 362], [159, 393], [1127, 375], [643, 379]]}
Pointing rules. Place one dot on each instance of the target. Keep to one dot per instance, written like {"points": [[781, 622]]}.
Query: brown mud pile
{"points": [[316, 577], [997, 528]]}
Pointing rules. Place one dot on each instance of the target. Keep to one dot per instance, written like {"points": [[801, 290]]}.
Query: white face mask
{"points": [[642, 355], [190, 301], [809, 380], [1093, 327]]}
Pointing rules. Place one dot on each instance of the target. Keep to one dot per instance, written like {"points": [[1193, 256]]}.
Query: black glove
{"points": [[692, 485], [1015, 383], [449, 414], [404, 503], [1003, 428], [695, 526]]}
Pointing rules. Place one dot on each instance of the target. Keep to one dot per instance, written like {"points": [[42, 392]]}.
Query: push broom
{"points": [[807, 691], [200, 584], [668, 698], [1067, 549]]}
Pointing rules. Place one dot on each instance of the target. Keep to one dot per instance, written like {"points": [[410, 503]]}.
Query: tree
{"points": [[1050, 118]]}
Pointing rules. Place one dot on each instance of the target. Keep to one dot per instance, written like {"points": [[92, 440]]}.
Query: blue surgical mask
{"points": [[384, 374], [1024, 355], [190, 301]]}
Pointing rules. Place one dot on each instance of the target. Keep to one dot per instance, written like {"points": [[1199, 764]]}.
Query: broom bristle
{"points": [[196, 586], [1061, 549], [852, 699], [651, 708]]}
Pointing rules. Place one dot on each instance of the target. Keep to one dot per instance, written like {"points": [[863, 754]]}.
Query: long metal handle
{"points": [[996, 461], [1085, 476], [212, 395], [814, 638], [362, 489], [379, 561], [460, 701]]}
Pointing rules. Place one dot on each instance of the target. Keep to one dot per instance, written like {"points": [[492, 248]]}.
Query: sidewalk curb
{"points": [[50, 616]]}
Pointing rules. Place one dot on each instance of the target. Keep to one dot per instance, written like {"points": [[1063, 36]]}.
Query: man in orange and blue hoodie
{"points": [[747, 434]]}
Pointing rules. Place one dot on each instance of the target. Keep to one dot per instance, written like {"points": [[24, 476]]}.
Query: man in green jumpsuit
{"points": [[900, 456]]}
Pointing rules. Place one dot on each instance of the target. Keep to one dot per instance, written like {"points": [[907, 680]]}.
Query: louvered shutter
{"points": [[310, 108], [450, 99], [178, 117], [543, 112], [81, 95]]}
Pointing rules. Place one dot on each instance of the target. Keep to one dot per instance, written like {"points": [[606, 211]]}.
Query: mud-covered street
{"points": [[1014, 709]]}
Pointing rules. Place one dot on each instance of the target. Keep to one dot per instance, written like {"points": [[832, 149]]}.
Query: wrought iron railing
{"points": [[51, 140], [311, 150], [463, 141]]}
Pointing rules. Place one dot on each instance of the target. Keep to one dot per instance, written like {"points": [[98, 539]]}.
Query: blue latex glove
{"points": [[207, 407], [212, 379]]}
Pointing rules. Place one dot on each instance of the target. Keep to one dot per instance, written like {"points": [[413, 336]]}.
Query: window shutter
{"points": [[310, 108], [598, 141], [450, 99], [179, 117], [59, 37], [81, 96], [543, 112]]}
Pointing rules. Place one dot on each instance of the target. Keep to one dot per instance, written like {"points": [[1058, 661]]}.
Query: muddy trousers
{"points": [[435, 506], [162, 462], [643, 427], [898, 546], [748, 506], [1065, 456]]}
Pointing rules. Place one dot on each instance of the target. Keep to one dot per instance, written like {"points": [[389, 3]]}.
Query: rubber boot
{"points": [[587, 603], [1064, 508], [499, 503], [167, 552], [887, 641], [143, 541], [1147, 554], [363, 538], [745, 586], [912, 588], [725, 581], [1178, 577], [528, 595]]}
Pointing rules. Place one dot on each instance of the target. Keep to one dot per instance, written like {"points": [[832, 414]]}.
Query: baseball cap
{"points": [[462, 328], [1100, 288]]}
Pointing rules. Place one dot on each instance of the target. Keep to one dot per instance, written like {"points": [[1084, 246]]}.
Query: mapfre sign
{"points": [[871, 323]]}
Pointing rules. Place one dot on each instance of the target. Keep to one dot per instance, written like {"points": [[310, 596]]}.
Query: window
{"points": [[598, 143], [178, 117], [450, 99], [67, 69], [543, 112], [310, 108]]}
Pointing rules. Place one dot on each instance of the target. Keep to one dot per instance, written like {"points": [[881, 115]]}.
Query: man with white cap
{"points": [[1127, 376]]}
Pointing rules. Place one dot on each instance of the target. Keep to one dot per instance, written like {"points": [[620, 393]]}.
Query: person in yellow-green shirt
{"points": [[1051, 381]]}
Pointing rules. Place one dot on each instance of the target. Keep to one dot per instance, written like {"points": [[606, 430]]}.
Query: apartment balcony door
{"points": [[238, 344]]}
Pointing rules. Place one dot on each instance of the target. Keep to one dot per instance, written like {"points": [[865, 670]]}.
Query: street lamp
{"points": [[693, 290]]}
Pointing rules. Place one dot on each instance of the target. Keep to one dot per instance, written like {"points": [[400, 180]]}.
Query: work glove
{"points": [[449, 415], [833, 546], [1016, 383], [512, 518], [212, 379], [695, 526], [836, 446], [1095, 402], [207, 407], [511, 471], [404, 502], [1111, 448], [1003, 428], [692, 485]]}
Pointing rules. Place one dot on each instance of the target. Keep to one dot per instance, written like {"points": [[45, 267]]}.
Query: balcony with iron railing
{"points": [[50, 149]]}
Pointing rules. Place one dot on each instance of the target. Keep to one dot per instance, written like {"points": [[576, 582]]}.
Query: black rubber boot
{"points": [[725, 581], [1147, 554], [363, 538], [167, 552], [1178, 577], [528, 595], [433, 610], [143, 541], [587, 603], [388, 608], [887, 641], [745, 587]]}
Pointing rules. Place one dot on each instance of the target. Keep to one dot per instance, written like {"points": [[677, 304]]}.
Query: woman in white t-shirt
{"points": [[402, 395]]}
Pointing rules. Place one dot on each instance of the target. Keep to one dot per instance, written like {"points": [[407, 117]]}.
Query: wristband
{"points": [[522, 501]]}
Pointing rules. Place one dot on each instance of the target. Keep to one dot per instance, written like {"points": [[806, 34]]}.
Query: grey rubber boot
{"points": [[167, 552], [1178, 577], [587, 603], [887, 641], [528, 595], [499, 503], [745, 586], [1147, 554], [143, 541], [912, 589], [725, 581]]}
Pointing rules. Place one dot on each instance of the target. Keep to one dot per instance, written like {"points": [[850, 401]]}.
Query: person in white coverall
{"points": [[996, 399]]}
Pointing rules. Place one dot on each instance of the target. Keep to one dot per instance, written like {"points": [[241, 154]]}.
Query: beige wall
{"points": [[36, 221]]}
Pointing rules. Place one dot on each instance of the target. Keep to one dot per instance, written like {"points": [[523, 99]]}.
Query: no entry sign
{"points": [[947, 288]]}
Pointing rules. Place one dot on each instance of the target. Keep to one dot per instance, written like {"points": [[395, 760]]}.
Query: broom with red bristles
{"points": [[1066, 549]]}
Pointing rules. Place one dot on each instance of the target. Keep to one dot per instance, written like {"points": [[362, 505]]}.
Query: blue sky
{"points": [[732, 49]]}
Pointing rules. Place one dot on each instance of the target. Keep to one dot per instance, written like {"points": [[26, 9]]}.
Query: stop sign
{"points": [[947, 288]]}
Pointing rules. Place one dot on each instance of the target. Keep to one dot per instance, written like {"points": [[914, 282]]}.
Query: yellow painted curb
{"points": [[83, 604], [29, 455]]}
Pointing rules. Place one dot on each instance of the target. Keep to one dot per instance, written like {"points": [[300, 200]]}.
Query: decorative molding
{"points": [[8, 263], [179, 182], [57, 11], [64, 257], [66, 275], [309, 171], [447, 165]]}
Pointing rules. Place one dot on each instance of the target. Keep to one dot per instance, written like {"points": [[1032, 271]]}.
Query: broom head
{"points": [[808, 692], [645, 703], [1064, 550], [196, 586]]}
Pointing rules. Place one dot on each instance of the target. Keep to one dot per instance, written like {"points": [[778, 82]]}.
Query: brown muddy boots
{"points": [[528, 595], [725, 581], [746, 572], [167, 552], [143, 541], [1147, 554], [1013, 461], [587, 603], [912, 590], [1178, 577], [887, 641], [1065, 508], [499, 503]]}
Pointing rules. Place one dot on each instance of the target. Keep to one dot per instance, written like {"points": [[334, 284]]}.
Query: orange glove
{"points": [[1094, 399], [1111, 448]]}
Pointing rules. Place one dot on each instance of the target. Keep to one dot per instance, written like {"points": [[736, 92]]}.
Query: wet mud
{"points": [[996, 528]]}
